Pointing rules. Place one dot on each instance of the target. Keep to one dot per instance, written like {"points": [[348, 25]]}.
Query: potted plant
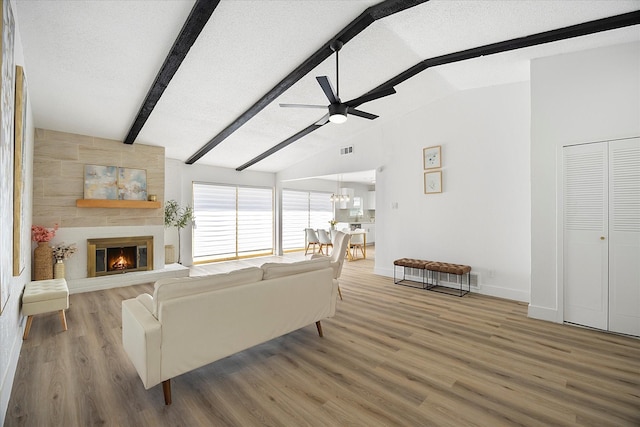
{"points": [[62, 252], [179, 217]]}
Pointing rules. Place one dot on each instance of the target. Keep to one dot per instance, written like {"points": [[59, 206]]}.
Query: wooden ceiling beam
{"points": [[355, 27], [198, 18], [591, 27]]}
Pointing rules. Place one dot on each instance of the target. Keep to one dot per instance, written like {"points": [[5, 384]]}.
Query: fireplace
{"points": [[119, 255]]}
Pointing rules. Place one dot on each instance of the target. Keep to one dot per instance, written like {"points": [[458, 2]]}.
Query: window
{"points": [[300, 210], [231, 221]]}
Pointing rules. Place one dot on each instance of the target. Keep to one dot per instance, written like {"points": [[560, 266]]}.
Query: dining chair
{"points": [[340, 249], [312, 239], [357, 242], [325, 240]]}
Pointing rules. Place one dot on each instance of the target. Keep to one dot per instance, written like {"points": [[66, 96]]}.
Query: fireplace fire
{"points": [[119, 255], [122, 258]]}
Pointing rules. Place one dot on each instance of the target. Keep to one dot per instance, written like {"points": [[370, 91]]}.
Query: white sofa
{"points": [[190, 322]]}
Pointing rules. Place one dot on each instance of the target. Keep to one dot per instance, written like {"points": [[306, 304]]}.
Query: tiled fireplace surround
{"points": [[58, 181]]}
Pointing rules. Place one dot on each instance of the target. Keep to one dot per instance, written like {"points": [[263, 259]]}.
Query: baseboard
{"points": [[543, 313], [506, 293], [7, 383], [494, 291], [91, 284]]}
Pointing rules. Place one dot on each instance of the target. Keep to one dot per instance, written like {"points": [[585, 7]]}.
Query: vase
{"points": [[58, 269], [43, 261]]}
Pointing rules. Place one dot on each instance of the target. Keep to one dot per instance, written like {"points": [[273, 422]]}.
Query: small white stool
{"points": [[44, 296]]}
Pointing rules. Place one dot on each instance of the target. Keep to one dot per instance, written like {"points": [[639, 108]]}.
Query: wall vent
{"points": [[346, 150], [453, 279]]}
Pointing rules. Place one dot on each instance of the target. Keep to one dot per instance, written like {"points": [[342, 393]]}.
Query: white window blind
{"points": [[255, 221], [295, 218], [300, 210], [231, 221]]}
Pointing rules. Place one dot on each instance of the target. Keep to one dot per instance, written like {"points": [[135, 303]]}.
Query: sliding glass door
{"points": [[300, 210], [232, 221]]}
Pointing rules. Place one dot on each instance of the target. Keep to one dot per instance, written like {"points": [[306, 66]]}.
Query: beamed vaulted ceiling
{"points": [[204, 79]]}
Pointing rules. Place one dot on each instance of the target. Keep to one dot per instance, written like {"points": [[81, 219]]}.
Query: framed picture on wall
{"points": [[132, 184], [432, 157], [433, 182]]}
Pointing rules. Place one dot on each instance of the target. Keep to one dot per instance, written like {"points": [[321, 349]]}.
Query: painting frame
{"points": [[19, 167], [432, 157], [7, 88], [100, 182], [132, 184], [433, 182]]}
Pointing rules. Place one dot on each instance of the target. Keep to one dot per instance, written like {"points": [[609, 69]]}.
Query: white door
{"points": [[585, 235], [624, 236]]}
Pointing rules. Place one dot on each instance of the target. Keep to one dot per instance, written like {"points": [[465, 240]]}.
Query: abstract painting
{"points": [[100, 182], [132, 184]]}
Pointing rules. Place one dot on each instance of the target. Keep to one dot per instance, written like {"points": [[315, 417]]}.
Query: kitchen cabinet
{"points": [[371, 233], [371, 200]]}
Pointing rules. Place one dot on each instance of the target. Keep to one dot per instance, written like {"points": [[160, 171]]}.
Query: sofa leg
{"points": [[166, 389], [340, 292], [319, 326]]}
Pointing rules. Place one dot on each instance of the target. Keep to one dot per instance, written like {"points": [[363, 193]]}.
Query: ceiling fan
{"points": [[338, 110]]}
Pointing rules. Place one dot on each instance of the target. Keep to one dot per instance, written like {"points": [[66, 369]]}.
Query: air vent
{"points": [[452, 279], [346, 150]]}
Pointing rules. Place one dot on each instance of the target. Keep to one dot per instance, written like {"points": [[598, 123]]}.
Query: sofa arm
{"points": [[141, 339], [147, 301]]}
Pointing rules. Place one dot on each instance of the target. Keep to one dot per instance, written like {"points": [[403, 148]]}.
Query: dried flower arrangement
{"points": [[42, 234], [62, 251]]}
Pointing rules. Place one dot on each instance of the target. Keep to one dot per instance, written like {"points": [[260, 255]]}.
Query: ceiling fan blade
{"points": [[325, 84], [323, 121], [363, 114], [302, 106], [370, 97]]}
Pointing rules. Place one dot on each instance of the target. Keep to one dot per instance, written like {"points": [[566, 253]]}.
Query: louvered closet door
{"points": [[585, 235], [624, 236]]}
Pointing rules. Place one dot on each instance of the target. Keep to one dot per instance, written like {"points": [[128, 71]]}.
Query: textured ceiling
{"points": [[89, 65]]}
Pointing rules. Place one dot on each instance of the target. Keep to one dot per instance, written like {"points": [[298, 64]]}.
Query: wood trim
{"points": [[117, 204]]}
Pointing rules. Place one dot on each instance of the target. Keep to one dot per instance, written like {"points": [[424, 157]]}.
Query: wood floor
{"points": [[392, 356]]}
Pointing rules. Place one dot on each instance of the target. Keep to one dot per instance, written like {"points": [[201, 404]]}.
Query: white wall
{"points": [[11, 320], [587, 96], [483, 216]]}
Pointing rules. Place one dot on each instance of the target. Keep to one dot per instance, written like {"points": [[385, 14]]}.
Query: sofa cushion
{"points": [[273, 270], [165, 289]]}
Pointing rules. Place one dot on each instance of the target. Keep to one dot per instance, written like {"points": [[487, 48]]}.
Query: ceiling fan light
{"points": [[338, 118], [337, 113]]}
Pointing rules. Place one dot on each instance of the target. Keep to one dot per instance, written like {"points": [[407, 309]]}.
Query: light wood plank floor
{"points": [[392, 355]]}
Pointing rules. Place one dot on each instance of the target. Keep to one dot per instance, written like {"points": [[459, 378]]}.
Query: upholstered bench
{"points": [[405, 263], [458, 270], [44, 296], [430, 274]]}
